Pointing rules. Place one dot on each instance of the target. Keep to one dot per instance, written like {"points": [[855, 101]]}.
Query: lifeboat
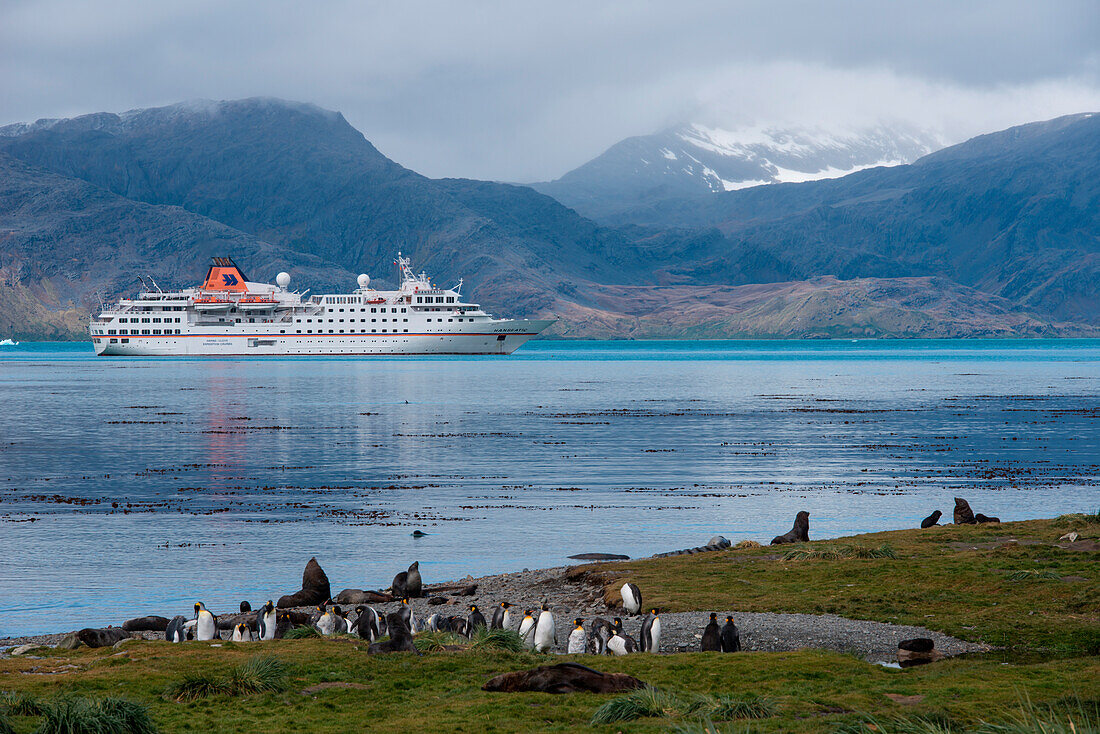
{"points": [[256, 303], [212, 303], [375, 301]]}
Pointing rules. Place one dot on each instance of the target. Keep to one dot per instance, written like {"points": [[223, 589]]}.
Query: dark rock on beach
{"points": [[800, 533], [152, 623], [917, 644], [315, 588], [563, 678]]}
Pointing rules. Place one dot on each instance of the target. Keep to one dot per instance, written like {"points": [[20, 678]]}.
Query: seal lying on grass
{"points": [[563, 678]]}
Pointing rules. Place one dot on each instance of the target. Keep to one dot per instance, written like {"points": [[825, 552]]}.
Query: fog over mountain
{"points": [[695, 160]]}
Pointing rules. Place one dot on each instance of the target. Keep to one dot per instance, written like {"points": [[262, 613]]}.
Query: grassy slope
{"points": [[953, 579], [442, 692], [815, 691]]}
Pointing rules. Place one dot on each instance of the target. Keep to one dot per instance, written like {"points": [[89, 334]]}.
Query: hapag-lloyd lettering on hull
{"points": [[251, 318]]}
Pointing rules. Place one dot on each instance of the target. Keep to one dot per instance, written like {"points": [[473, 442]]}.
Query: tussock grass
{"points": [[747, 706], [5, 725], [74, 715], [437, 641], [301, 632], [197, 686], [642, 703], [1079, 518], [840, 552], [706, 726], [1031, 719], [1034, 575], [16, 703], [256, 675], [652, 702], [499, 639]]}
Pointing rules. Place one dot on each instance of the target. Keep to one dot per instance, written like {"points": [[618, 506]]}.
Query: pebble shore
{"points": [[681, 631]]}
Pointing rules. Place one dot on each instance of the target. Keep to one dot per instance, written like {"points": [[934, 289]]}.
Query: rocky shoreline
{"points": [[570, 595]]}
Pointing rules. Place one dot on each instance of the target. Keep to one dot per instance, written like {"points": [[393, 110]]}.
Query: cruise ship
{"points": [[229, 315]]}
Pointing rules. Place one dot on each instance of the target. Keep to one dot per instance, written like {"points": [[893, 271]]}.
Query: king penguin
{"points": [[177, 629], [578, 640], [527, 629], [650, 636], [406, 613], [546, 635], [341, 626], [632, 598], [205, 623], [731, 639], [712, 636], [502, 617], [326, 623], [599, 632], [620, 644], [241, 633], [476, 619], [266, 622]]}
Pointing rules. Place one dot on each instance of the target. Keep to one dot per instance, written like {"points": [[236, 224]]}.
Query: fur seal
{"points": [[982, 519], [401, 639], [933, 519], [800, 533], [963, 514]]}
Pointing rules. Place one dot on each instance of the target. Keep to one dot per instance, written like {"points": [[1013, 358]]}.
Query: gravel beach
{"points": [[681, 631]]}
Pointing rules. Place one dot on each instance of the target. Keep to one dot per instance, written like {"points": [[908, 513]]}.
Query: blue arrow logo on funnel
{"points": [[229, 278]]}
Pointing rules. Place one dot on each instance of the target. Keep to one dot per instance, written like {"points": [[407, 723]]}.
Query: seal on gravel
{"points": [[800, 533], [152, 623], [315, 588], [963, 514], [933, 519], [563, 678]]}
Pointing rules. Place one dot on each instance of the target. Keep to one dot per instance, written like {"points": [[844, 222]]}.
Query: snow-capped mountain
{"points": [[694, 160]]}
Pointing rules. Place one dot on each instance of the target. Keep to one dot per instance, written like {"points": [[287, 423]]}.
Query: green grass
{"points": [[953, 579], [79, 715], [652, 702], [838, 552], [300, 632], [256, 675]]}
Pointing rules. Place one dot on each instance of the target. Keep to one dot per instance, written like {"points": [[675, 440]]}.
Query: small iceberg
{"points": [[8, 343]]}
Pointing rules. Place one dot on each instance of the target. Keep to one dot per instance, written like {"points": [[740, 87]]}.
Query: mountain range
{"points": [[695, 161], [997, 236]]}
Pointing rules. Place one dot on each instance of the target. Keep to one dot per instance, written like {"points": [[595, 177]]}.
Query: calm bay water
{"points": [[134, 486]]}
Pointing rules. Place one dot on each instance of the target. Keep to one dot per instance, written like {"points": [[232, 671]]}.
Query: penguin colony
{"points": [[536, 627]]}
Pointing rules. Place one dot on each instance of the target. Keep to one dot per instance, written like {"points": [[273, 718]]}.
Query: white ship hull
{"points": [[502, 337]]}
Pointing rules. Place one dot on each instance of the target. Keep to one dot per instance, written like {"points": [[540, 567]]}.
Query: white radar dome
{"points": [[282, 280], [363, 280]]}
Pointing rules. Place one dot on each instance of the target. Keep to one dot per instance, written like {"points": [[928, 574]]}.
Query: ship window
{"points": [[374, 331], [402, 310], [156, 331], [406, 331], [309, 331], [374, 310], [405, 320], [114, 341], [309, 321], [145, 321], [156, 321], [299, 331], [111, 331], [373, 320], [144, 331], [341, 310], [450, 320], [450, 299], [125, 341]]}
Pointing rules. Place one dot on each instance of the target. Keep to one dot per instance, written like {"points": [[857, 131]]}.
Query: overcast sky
{"points": [[526, 91]]}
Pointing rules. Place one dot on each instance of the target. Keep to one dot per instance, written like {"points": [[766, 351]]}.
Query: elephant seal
{"points": [[800, 533]]}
